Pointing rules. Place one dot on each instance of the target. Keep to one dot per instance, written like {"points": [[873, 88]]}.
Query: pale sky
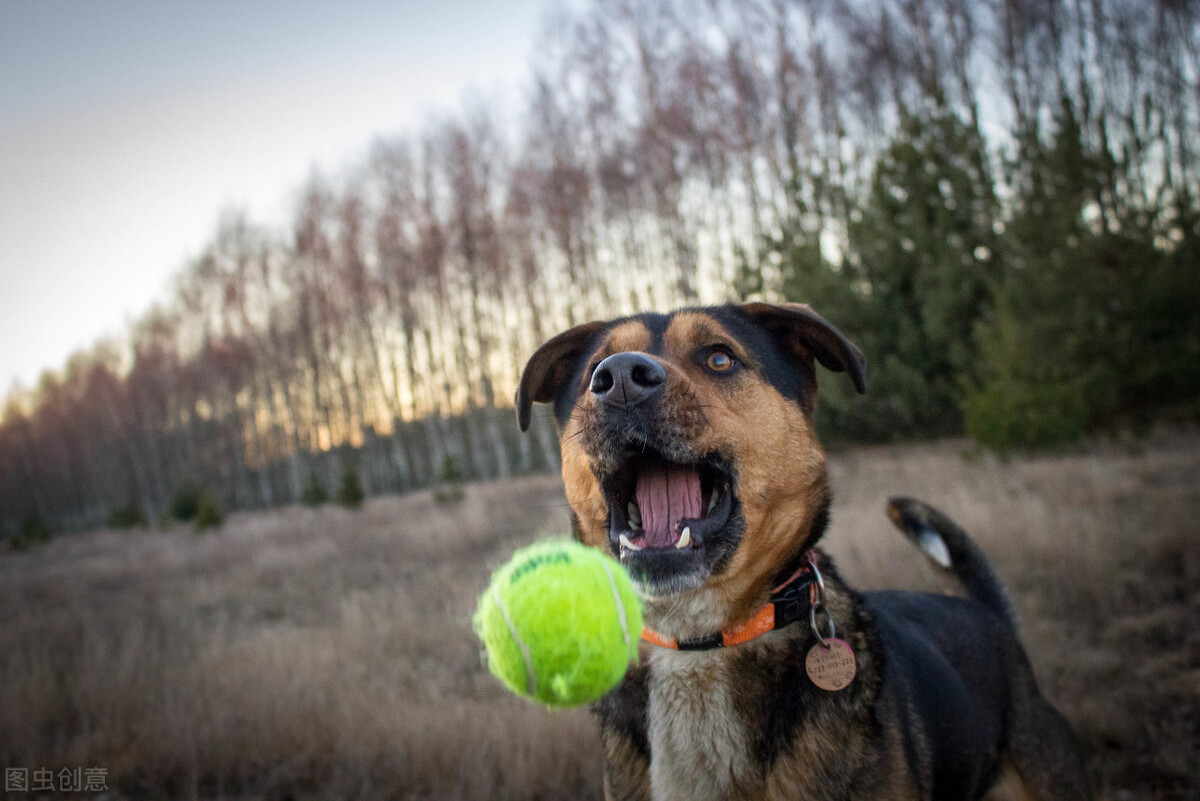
{"points": [[126, 126]]}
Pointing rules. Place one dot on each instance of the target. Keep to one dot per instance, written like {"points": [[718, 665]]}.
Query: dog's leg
{"points": [[1043, 751], [1041, 745]]}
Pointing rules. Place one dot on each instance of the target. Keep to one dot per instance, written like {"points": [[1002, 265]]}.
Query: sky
{"points": [[127, 126]]}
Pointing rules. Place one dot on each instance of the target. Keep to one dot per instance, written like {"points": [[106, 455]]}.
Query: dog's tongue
{"points": [[666, 494]]}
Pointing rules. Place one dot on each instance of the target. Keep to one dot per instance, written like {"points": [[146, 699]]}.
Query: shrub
{"points": [[208, 513], [127, 516], [449, 489], [186, 503], [1029, 396], [34, 527], [314, 493], [350, 491], [33, 531], [1025, 415], [450, 472]]}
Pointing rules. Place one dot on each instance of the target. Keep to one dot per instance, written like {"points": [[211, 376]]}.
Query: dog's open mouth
{"points": [[669, 522]]}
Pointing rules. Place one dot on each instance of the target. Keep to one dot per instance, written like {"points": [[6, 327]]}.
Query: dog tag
{"points": [[831, 666]]}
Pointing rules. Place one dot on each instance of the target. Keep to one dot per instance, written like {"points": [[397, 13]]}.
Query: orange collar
{"points": [[789, 603]]}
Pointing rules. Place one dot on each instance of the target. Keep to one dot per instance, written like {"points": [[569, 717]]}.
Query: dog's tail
{"points": [[949, 547]]}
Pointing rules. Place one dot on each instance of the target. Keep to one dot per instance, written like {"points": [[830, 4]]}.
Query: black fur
{"points": [[623, 712]]}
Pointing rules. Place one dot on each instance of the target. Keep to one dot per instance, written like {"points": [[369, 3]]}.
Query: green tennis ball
{"points": [[560, 622]]}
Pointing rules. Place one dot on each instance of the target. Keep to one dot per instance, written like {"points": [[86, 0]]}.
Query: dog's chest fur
{"points": [[698, 737]]}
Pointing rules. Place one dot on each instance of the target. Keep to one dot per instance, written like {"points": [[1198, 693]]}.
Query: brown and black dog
{"points": [[688, 452]]}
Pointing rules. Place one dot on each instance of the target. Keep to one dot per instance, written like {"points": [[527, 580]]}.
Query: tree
{"points": [[922, 256], [1072, 343], [350, 492], [314, 493]]}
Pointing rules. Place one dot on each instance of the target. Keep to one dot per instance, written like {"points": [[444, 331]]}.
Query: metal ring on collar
{"points": [[812, 622], [812, 564], [819, 603]]}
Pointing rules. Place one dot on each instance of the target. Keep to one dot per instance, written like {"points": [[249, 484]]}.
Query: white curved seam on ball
{"points": [[530, 676], [612, 582]]}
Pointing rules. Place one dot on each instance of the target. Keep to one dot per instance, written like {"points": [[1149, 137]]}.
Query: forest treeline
{"points": [[996, 199]]}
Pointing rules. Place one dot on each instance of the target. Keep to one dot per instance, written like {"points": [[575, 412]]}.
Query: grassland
{"points": [[326, 653]]}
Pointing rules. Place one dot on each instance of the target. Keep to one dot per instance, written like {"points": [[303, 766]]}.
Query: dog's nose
{"points": [[625, 380]]}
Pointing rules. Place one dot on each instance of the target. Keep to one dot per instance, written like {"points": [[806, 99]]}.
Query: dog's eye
{"points": [[719, 361]]}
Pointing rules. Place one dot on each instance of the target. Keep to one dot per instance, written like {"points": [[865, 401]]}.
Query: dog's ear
{"points": [[549, 367], [808, 334]]}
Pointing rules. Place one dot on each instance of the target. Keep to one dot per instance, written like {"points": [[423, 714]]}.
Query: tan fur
{"points": [[1009, 787], [583, 493], [626, 774], [627, 336], [697, 734], [579, 480]]}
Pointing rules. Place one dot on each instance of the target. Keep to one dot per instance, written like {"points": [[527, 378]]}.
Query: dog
{"points": [[689, 454]]}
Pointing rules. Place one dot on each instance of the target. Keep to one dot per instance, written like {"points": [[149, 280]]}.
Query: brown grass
{"points": [[325, 653]]}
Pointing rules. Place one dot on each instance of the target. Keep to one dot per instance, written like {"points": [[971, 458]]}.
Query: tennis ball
{"points": [[560, 622]]}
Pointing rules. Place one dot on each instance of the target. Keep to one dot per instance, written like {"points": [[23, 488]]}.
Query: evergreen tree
{"points": [[33, 531], [314, 493], [208, 513], [350, 492], [1094, 320], [922, 259], [449, 488]]}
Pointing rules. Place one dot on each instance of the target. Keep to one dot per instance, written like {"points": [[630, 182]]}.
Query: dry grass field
{"points": [[328, 654]]}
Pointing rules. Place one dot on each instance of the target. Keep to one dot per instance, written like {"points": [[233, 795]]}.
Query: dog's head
{"points": [[688, 449]]}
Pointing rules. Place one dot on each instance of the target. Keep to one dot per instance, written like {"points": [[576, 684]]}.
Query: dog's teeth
{"points": [[685, 538], [628, 544], [635, 515], [712, 501]]}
